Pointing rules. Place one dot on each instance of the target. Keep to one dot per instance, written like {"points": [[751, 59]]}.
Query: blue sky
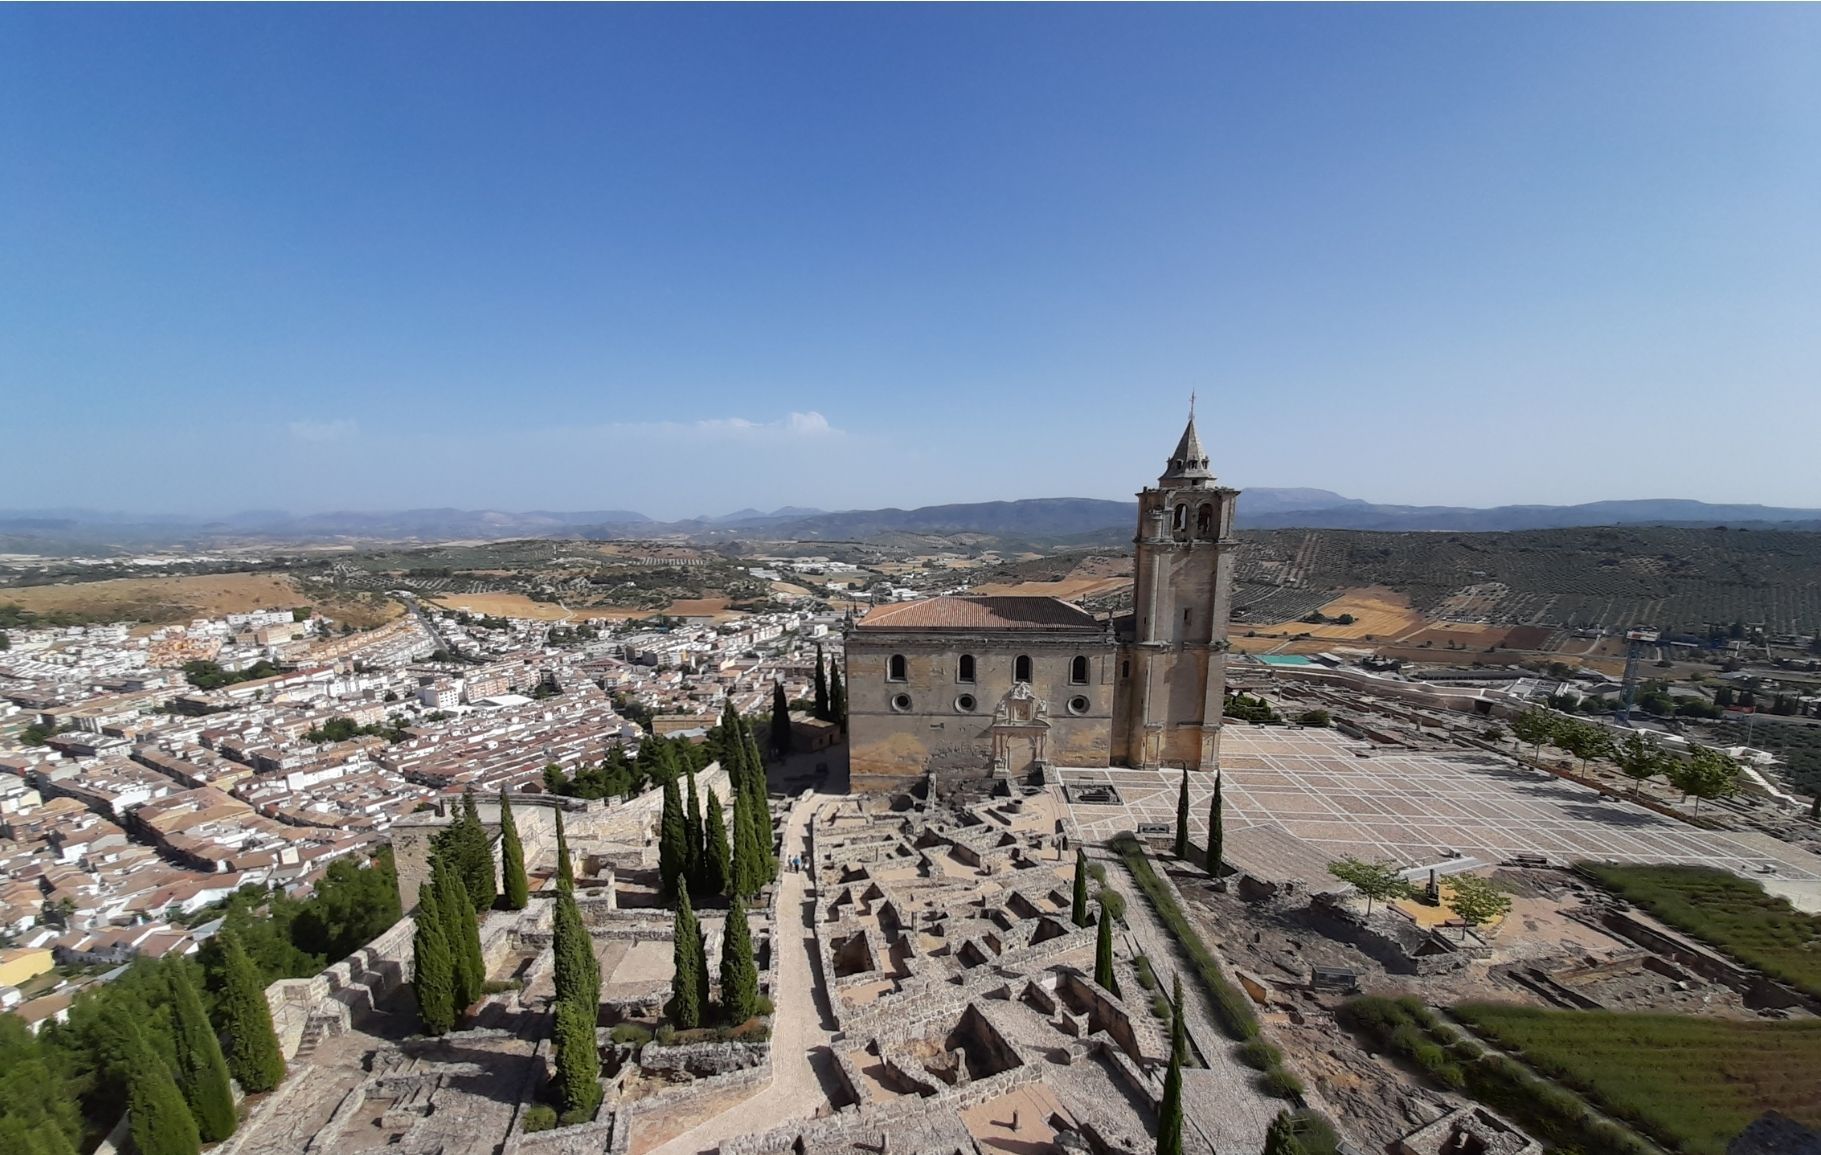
{"points": [[683, 260]]}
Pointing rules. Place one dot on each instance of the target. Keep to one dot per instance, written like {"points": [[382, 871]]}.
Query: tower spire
{"points": [[1190, 461]]}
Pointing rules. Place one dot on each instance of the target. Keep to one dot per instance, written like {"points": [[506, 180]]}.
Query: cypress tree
{"points": [[692, 835], [160, 1121], [688, 975], [464, 937], [780, 719], [766, 862], [821, 686], [1280, 1136], [433, 969], [578, 1061], [717, 859], [202, 1070], [1080, 911], [837, 696], [565, 870], [254, 1058], [476, 861], [1216, 833], [1103, 953], [578, 971], [1169, 1112], [512, 858], [673, 847], [739, 971], [1182, 817]]}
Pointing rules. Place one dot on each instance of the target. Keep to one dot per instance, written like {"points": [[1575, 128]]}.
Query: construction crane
{"points": [[1635, 641]]}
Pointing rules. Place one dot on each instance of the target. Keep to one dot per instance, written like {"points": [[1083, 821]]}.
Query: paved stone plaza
{"points": [[1344, 796]]}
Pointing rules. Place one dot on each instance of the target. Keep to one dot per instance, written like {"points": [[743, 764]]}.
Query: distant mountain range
{"points": [[1050, 519]]}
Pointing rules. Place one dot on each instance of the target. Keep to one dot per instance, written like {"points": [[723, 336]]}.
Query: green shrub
{"points": [[1280, 1083], [501, 986], [631, 1035], [1112, 902], [539, 1118], [1147, 978], [1259, 1055], [1160, 1006], [763, 1005]]}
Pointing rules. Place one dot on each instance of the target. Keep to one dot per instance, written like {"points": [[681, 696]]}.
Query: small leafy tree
{"points": [[1378, 881], [1534, 727], [1585, 741], [1475, 900], [1705, 775], [1639, 760]]}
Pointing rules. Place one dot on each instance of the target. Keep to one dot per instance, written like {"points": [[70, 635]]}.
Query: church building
{"points": [[971, 688]]}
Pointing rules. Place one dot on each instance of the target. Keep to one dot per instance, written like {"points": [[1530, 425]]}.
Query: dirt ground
{"points": [[178, 599], [1382, 613], [520, 606]]}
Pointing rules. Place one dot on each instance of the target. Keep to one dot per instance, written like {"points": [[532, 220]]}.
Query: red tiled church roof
{"points": [[980, 613]]}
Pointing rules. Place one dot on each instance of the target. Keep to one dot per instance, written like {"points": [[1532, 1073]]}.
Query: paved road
{"points": [[802, 1064]]}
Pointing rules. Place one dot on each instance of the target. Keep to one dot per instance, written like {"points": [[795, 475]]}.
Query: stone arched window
{"points": [[964, 669], [1204, 521], [896, 669], [1021, 668], [1182, 518], [1078, 671]]}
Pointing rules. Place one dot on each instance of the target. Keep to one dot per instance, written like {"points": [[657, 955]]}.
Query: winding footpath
{"points": [[797, 1022]]}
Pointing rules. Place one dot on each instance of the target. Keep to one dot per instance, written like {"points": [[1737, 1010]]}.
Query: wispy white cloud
{"points": [[804, 425], [341, 429]]}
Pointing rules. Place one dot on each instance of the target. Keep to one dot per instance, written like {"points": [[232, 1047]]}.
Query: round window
{"points": [[966, 704], [1078, 705], [902, 703]]}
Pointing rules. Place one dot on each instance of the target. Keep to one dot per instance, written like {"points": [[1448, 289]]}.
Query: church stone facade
{"points": [[967, 688]]}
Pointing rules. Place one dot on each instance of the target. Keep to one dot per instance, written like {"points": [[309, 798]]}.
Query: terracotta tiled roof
{"points": [[980, 613]]}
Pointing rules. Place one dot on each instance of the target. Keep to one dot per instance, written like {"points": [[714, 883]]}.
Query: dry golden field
{"points": [[178, 599]]}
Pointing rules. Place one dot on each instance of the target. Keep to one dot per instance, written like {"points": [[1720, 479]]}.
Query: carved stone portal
{"points": [[1020, 730]]}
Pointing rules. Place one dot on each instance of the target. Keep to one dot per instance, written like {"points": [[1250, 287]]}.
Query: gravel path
{"points": [[802, 1064], [1221, 1101]]}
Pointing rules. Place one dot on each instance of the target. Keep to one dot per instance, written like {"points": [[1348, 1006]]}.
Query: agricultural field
{"points": [[1376, 613], [1691, 1083], [1730, 913], [1798, 744], [1672, 578], [161, 600]]}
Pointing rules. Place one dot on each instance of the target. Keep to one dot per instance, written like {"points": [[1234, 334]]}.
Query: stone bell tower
{"points": [[1172, 656]]}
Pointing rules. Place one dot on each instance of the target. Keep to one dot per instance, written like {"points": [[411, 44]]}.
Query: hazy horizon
{"points": [[687, 260]]}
